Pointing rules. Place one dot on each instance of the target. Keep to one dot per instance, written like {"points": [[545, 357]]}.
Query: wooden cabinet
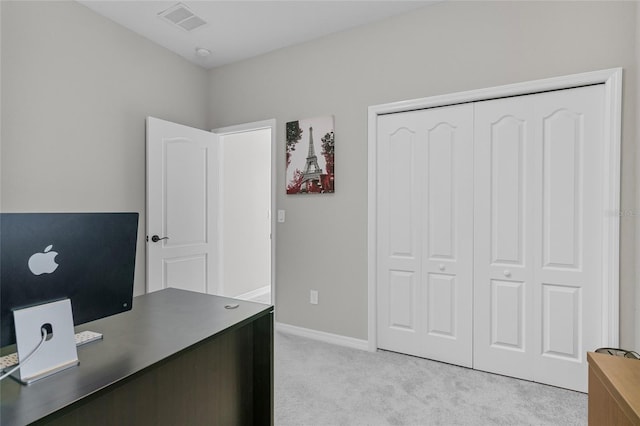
{"points": [[614, 390]]}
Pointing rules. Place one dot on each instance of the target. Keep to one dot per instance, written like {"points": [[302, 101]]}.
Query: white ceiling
{"points": [[241, 29]]}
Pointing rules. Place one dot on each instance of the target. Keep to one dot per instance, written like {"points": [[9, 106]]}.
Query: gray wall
{"points": [[448, 47], [76, 89]]}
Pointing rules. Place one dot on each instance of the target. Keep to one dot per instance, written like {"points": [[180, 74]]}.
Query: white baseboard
{"points": [[254, 293], [335, 339]]}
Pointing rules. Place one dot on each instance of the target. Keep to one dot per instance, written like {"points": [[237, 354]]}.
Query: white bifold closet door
{"points": [[425, 164], [490, 222], [538, 232]]}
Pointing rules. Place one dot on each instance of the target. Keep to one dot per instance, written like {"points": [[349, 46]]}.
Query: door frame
{"points": [[612, 80], [249, 127]]}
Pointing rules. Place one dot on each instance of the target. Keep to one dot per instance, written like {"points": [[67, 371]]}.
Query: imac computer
{"points": [[58, 270]]}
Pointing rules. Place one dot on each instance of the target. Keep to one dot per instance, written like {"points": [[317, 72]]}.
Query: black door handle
{"points": [[155, 238]]}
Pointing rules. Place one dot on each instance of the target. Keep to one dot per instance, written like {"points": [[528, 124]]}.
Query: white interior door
{"points": [[538, 232], [424, 249], [182, 194]]}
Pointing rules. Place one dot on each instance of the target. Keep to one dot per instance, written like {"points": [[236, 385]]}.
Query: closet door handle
{"points": [[441, 267], [507, 273]]}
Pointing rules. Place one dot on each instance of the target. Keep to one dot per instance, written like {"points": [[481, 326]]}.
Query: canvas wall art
{"points": [[310, 156]]}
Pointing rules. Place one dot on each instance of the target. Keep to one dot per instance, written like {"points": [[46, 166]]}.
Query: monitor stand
{"points": [[57, 353]]}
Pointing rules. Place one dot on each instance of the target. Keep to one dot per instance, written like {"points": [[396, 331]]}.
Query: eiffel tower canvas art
{"points": [[310, 156]]}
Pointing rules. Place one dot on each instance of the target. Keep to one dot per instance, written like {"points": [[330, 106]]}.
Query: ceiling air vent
{"points": [[182, 16]]}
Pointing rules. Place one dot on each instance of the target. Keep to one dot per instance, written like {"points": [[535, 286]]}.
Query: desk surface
{"points": [[159, 326]]}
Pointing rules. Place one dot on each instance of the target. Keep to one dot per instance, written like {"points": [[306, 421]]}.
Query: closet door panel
{"points": [[561, 322], [507, 315], [402, 297], [441, 297], [503, 293], [400, 317], [424, 203], [507, 190], [447, 259], [568, 266], [441, 181], [562, 190], [401, 192], [538, 166]]}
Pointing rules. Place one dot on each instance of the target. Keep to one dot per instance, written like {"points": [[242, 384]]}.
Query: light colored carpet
{"points": [[317, 383]]}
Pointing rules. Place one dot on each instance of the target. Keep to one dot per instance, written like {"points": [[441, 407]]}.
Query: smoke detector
{"points": [[202, 52], [183, 17]]}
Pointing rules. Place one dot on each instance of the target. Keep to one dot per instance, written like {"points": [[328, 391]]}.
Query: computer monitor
{"points": [[88, 258]]}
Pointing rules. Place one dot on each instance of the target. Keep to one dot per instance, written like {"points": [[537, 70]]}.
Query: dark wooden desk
{"points": [[614, 390], [176, 358]]}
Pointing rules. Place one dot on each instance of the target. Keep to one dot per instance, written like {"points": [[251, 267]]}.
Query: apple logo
{"points": [[43, 263]]}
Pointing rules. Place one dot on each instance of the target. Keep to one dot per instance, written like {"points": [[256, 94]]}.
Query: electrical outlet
{"points": [[313, 297]]}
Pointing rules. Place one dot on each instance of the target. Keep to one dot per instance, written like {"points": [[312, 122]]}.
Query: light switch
{"points": [[281, 216]]}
